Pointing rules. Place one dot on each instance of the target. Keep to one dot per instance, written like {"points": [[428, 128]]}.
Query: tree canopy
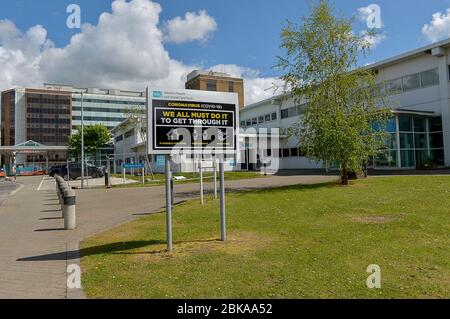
{"points": [[95, 137], [342, 106]]}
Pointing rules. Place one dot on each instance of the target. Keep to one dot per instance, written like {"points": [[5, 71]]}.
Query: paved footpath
{"points": [[35, 250]]}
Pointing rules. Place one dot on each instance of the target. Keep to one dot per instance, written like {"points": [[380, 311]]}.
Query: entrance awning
{"points": [[31, 147]]}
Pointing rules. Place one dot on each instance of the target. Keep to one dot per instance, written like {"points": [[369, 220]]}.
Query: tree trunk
{"points": [[344, 174]]}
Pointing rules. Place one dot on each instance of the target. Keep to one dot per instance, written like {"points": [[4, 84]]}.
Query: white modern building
{"points": [[101, 106], [418, 87], [130, 147]]}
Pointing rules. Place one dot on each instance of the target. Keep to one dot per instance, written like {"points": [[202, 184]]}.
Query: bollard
{"points": [[63, 190], [69, 212]]}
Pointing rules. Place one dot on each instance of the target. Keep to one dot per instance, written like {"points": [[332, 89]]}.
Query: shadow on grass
{"points": [[266, 190], [113, 248]]}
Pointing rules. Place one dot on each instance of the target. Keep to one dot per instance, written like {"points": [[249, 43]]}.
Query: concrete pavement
{"points": [[35, 250]]}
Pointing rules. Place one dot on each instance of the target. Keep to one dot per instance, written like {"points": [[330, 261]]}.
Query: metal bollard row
{"points": [[67, 199]]}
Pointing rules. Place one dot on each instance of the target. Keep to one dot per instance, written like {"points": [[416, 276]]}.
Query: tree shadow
{"points": [[50, 211], [95, 250], [120, 248]]}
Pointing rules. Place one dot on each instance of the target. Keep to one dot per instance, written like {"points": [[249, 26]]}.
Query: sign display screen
{"points": [[192, 120]]}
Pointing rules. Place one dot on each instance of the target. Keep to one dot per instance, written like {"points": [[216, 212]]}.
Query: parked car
{"points": [[61, 170], [75, 171], [89, 170]]}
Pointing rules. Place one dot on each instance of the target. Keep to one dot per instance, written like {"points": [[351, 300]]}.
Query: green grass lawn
{"points": [[159, 179], [295, 242]]}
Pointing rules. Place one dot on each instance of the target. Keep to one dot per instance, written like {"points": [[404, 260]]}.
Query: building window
{"points": [[394, 86], [254, 121], [411, 82], [430, 77], [119, 138], [286, 152], [267, 118], [260, 119], [242, 123], [294, 151], [274, 116], [284, 113], [230, 86], [211, 85], [129, 133]]}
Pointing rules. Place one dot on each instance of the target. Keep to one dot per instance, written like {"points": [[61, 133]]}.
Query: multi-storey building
{"points": [[216, 81], [39, 115], [417, 85]]}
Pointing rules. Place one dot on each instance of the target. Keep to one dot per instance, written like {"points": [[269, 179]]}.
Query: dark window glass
{"points": [[261, 119], [420, 140], [267, 118], [286, 152], [435, 124], [406, 140], [407, 158], [274, 116], [437, 156], [405, 123], [211, 85], [394, 86], [230, 86], [411, 82], [284, 113], [436, 140], [420, 124], [430, 77], [254, 121], [294, 151]]}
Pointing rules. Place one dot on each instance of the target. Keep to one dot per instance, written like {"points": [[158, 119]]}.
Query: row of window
{"points": [[290, 112], [109, 101], [37, 131], [48, 121], [55, 100], [101, 109], [259, 120], [48, 110], [127, 134], [410, 82], [99, 119]]}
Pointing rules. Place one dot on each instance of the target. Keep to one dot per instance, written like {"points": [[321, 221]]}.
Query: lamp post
{"points": [[82, 143]]}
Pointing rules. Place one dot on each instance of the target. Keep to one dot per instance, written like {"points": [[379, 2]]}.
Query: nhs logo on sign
{"points": [[157, 94]]}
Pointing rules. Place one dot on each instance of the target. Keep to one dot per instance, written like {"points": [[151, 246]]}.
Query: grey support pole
{"points": [[168, 205], [223, 226], [82, 142], [201, 181], [215, 177]]}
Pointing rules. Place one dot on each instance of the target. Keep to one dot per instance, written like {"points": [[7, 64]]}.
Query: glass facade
{"points": [[108, 110], [48, 118], [417, 141]]}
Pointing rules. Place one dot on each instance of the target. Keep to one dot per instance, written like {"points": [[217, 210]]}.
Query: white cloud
{"points": [[194, 27], [256, 88], [373, 40], [20, 54], [124, 50], [438, 28]]}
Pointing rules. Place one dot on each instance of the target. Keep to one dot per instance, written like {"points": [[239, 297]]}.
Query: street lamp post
{"points": [[82, 143]]}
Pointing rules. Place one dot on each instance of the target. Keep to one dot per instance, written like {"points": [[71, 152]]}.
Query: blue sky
{"points": [[247, 31]]}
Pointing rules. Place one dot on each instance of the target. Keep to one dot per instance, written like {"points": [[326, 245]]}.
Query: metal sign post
{"points": [[143, 176], [194, 123], [223, 227], [168, 205], [201, 180], [215, 177]]}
